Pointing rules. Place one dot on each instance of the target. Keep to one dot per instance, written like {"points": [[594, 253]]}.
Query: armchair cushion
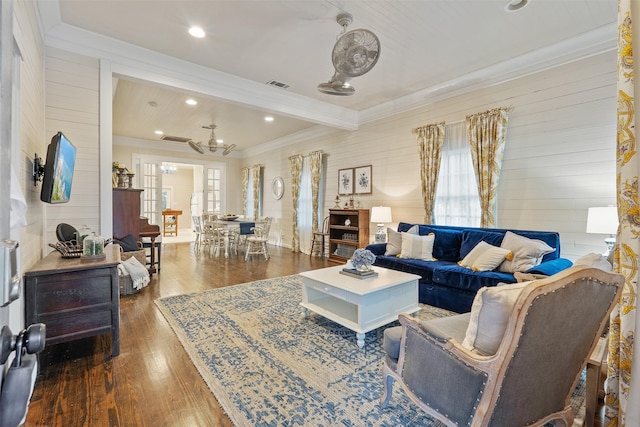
{"points": [[489, 316]]}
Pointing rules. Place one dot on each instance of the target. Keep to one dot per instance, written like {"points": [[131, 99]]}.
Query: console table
{"points": [[74, 298]]}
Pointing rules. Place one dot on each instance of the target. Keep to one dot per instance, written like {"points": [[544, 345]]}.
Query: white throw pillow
{"points": [[527, 253], [595, 260], [417, 247], [394, 242], [490, 313], [484, 257]]}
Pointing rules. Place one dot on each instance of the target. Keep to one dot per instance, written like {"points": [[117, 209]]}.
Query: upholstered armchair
{"points": [[513, 361]]}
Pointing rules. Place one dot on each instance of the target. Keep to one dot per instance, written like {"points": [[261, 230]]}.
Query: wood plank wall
{"points": [[31, 136], [72, 101], [559, 158]]}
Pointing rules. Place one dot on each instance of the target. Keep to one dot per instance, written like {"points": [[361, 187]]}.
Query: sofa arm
{"points": [[377, 248], [549, 268]]}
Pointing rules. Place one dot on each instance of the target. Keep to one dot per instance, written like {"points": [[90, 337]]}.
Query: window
{"points": [[457, 201], [214, 190]]}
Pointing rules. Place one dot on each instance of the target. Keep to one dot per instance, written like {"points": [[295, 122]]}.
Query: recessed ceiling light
{"points": [[220, 141], [268, 119], [191, 101], [159, 132], [515, 5], [197, 32]]}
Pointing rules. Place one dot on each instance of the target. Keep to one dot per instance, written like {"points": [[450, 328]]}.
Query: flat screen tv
{"points": [[58, 170]]}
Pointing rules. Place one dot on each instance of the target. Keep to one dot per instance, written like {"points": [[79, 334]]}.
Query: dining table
{"points": [[227, 225]]}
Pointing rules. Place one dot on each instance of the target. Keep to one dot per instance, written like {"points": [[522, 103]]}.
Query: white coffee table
{"points": [[361, 305]]}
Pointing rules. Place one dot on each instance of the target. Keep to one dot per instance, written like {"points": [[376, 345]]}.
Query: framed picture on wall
{"points": [[362, 180], [345, 181]]}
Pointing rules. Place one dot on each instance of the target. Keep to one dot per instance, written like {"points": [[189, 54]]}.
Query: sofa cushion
{"points": [[470, 238], [595, 260], [454, 276], [527, 252], [490, 314], [484, 257], [394, 242], [412, 266], [549, 268], [446, 246], [417, 247]]}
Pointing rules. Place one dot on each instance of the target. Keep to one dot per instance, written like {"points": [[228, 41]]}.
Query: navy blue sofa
{"points": [[446, 284]]}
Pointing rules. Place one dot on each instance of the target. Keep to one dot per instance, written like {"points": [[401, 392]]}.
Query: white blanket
{"points": [[138, 272]]}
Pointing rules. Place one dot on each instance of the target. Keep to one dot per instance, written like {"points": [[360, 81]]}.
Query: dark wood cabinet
{"points": [[348, 231], [75, 299]]}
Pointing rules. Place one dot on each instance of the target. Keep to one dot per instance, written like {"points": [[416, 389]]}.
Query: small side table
{"points": [[170, 222], [594, 367]]}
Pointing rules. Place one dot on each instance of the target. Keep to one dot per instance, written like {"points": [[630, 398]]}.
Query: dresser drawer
{"points": [[325, 289], [59, 293], [72, 326]]}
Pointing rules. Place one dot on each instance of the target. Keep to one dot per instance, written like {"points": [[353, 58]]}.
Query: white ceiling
{"points": [[430, 47]]}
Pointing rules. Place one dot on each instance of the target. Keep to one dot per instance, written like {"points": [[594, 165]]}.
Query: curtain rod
{"points": [[509, 109]]}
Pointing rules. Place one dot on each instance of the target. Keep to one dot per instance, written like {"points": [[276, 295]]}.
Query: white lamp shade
{"points": [[381, 214], [602, 220]]}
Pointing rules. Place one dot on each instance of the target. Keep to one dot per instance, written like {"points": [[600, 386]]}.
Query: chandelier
{"points": [[169, 168]]}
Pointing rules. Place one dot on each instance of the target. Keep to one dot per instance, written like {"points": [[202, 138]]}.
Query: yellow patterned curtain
{"points": [[296, 173], [430, 139], [620, 411], [315, 159], [256, 177], [487, 133], [245, 185]]}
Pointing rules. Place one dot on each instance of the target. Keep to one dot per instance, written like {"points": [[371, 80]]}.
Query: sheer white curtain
{"points": [[305, 207], [457, 201]]}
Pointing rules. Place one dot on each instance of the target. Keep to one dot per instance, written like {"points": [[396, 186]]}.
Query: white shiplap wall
{"points": [[72, 100], [559, 158], [31, 134]]}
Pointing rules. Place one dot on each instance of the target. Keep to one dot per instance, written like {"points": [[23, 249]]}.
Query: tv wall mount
{"points": [[38, 170]]}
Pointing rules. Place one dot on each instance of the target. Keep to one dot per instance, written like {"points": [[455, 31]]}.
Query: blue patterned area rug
{"points": [[267, 366]]}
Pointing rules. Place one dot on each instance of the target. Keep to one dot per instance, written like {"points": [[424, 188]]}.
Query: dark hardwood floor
{"points": [[152, 382]]}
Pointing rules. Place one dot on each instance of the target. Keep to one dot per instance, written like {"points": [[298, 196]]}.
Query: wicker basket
{"points": [[124, 281], [126, 285], [140, 255]]}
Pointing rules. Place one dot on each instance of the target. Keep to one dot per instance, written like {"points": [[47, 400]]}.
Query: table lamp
{"points": [[381, 215], [603, 220]]}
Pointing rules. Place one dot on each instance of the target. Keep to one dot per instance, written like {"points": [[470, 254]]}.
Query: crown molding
{"points": [[144, 64], [289, 140], [595, 42]]}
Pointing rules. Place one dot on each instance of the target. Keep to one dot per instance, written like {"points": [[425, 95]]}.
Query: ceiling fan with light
{"points": [[354, 54], [213, 144]]}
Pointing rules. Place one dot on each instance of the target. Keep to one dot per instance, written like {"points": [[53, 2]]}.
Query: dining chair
{"points": [[320, 239], [197, 225], [257, 244]]}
